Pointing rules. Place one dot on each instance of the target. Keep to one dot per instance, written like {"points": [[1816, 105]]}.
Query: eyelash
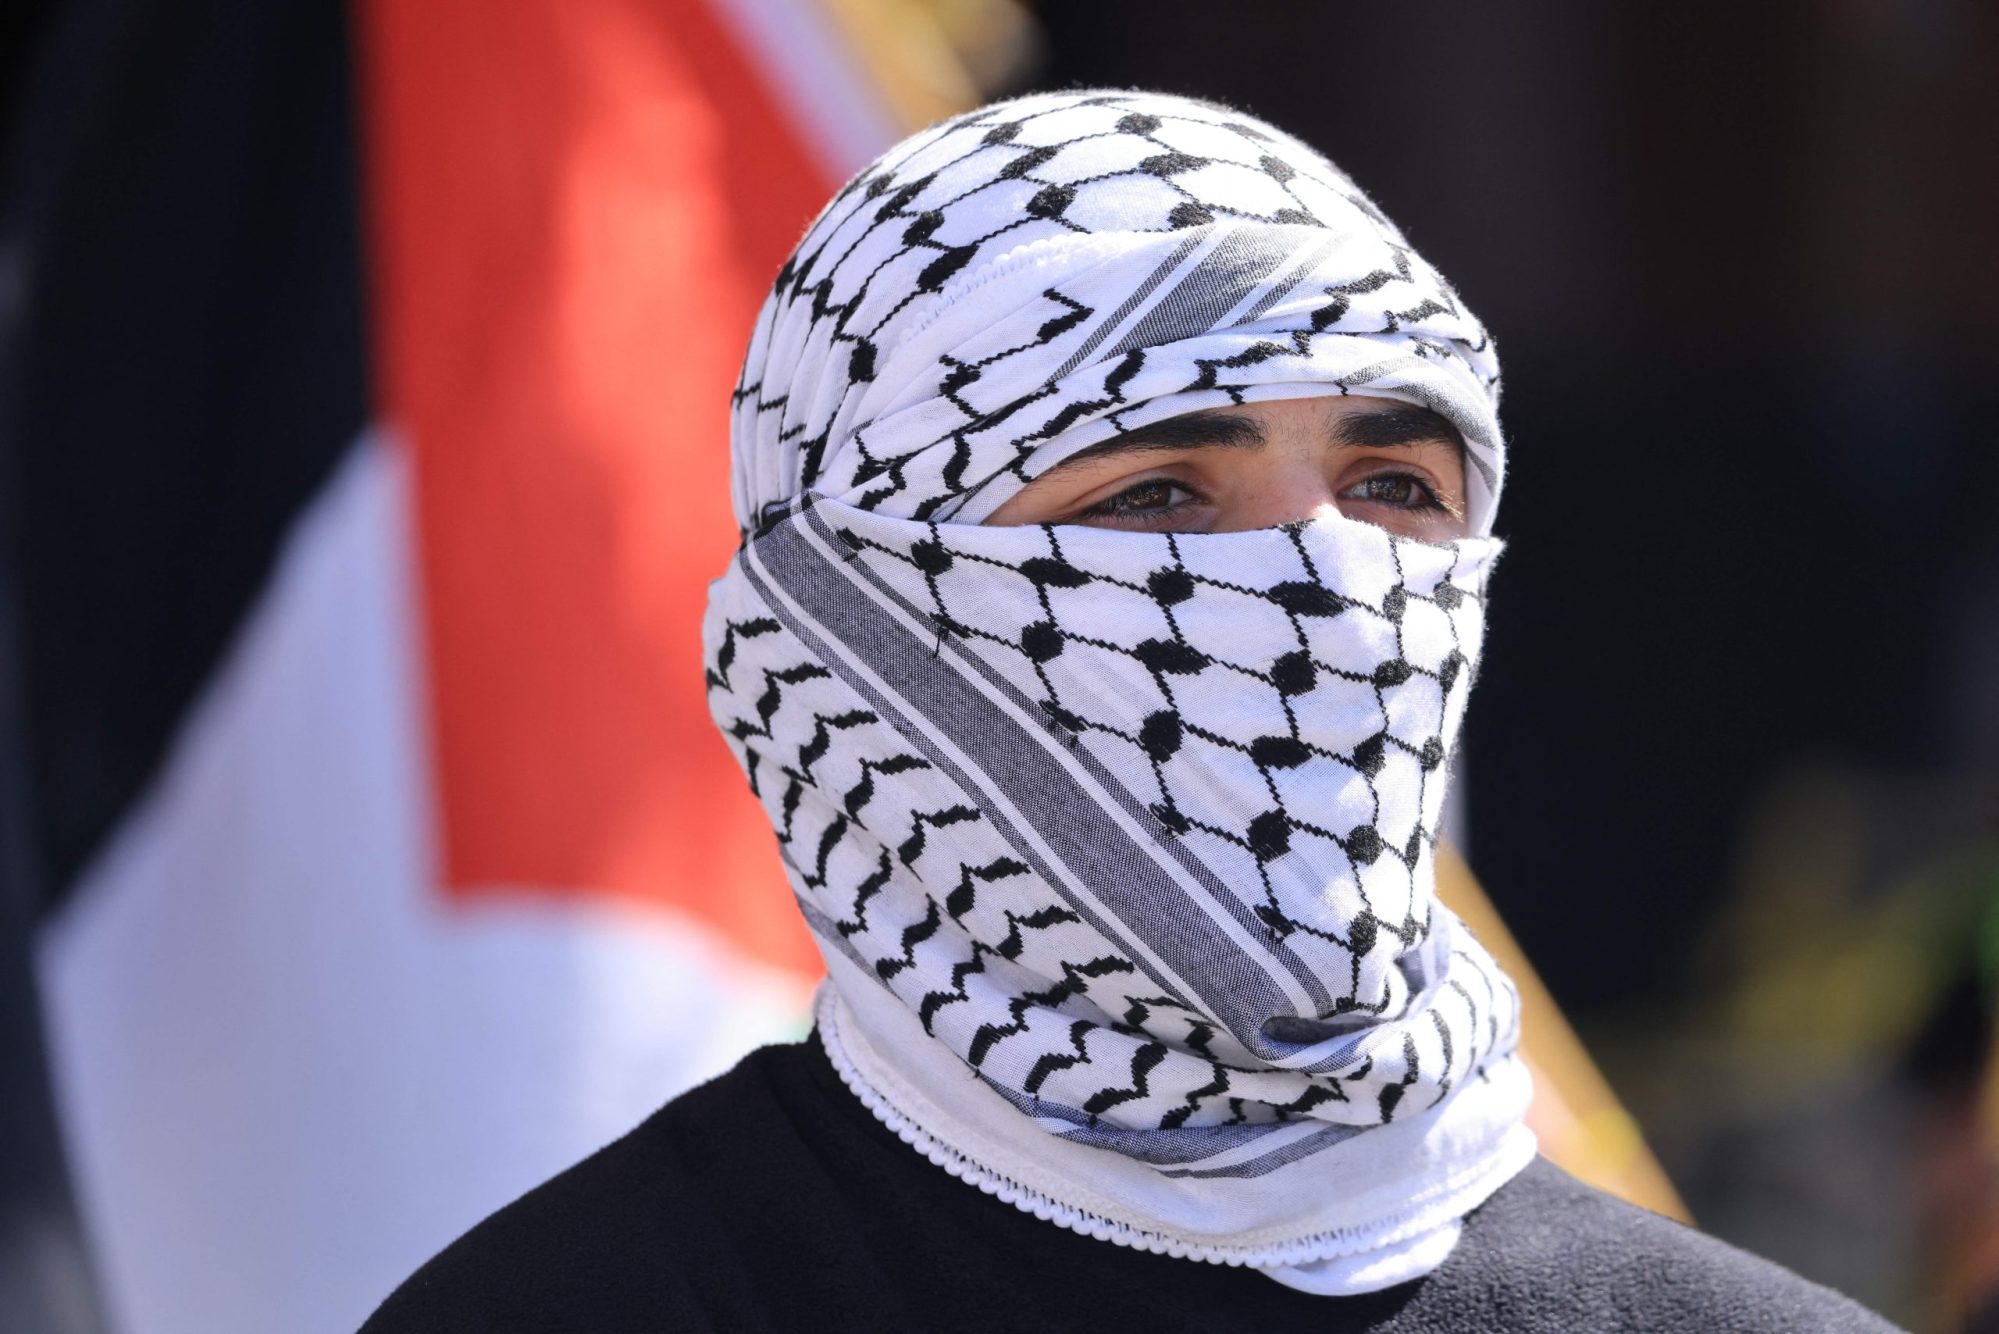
{"points": [[1427, 496], [1120, 508]]}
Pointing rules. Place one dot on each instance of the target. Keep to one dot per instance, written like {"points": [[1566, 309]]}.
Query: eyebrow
{"points": [[1383, 427]]}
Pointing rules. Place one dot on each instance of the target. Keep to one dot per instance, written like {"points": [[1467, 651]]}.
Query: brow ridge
{"points": [[1376, 428]]}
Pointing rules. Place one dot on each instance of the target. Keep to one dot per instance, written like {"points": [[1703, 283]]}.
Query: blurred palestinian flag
{"points": [[367, 459], [364, 444]]}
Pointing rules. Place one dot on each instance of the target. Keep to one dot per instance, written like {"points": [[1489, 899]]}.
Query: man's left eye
{"points": [[1399, 489]]}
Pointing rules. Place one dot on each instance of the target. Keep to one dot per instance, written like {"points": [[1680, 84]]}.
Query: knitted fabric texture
{"points": [[1119, 845]]}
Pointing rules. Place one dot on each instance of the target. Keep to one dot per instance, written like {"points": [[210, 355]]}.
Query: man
{"points": [[1116, 488]]}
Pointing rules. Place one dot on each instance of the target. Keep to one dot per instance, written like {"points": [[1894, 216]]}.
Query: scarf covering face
{"points": [[1118, 845]]}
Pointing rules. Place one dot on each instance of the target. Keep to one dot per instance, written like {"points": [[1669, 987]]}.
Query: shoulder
{"points": [[603, 1246], [1548, 1238]]}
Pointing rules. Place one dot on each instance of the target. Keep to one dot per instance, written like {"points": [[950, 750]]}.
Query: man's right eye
{"points": [[1150, 500]]}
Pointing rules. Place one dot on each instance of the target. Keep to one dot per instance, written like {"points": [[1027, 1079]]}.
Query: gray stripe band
{"points": [[1014, 763]]}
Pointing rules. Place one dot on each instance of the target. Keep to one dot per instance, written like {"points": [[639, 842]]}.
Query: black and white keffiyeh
{"points": [[1118, 845]]}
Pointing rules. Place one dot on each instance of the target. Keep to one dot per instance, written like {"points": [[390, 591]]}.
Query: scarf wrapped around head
{"points": [[1119, 845]]}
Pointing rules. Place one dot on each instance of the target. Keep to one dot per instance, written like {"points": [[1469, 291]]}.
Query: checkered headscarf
{"points": [[1134, 829]]}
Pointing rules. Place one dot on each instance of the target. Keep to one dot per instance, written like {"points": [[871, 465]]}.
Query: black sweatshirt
{"points": [[771, 1199]]}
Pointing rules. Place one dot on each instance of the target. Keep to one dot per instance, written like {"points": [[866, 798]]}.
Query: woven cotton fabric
{"points": [[1118, 844]]}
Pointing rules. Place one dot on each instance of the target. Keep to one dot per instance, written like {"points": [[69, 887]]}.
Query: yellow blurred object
{"points": [[934, 58], [1974, 1286], [1581, 1125], [1988, 1100]]}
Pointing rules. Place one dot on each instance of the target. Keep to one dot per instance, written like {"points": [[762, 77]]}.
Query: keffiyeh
{"points": [[1118, 845]]}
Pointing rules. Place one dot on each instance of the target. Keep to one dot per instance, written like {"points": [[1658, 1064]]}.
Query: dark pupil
{"points": [[1393, 490], [1146, 496]]}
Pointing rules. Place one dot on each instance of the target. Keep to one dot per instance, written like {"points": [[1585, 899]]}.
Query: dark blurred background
{"points": [[1733, 769]]}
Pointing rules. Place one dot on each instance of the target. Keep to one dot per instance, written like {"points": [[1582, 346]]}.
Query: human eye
{"points": [[1397, 490], [1150, 503]]}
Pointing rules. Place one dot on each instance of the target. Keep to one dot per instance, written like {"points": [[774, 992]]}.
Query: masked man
{"points": [[1116, 487]]}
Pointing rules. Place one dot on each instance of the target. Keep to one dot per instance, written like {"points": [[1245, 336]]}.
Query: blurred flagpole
{"points": [[1578, 1119]]}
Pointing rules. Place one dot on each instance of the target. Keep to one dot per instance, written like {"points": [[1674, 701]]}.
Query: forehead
{"points": [[1389, 420]]}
